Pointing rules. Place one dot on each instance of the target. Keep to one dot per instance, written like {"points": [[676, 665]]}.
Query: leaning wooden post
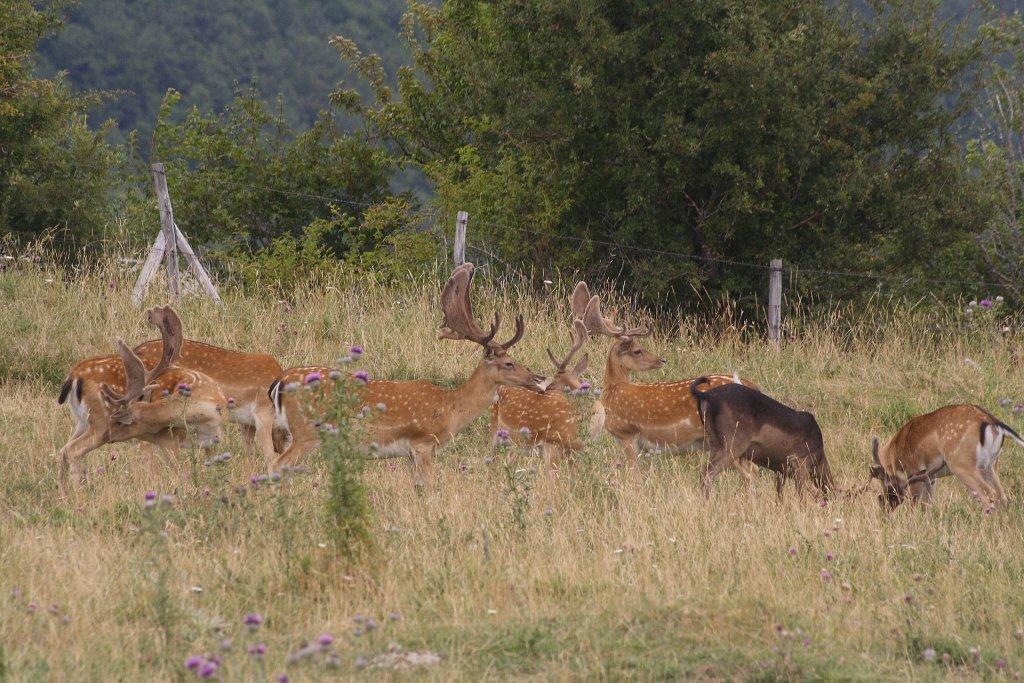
{"points": [[459, 253], [163, 199], [775, 302]]}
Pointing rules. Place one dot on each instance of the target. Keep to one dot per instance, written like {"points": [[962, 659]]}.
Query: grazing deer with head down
{"points": [[962, 440], [741, 423], [660, 414], [121, 400], [243, 377], [418, 417], [545, 419]]}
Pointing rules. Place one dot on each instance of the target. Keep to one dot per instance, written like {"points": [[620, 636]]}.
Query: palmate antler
{"points": [[459, 323], [588, 309], [137, 380]]}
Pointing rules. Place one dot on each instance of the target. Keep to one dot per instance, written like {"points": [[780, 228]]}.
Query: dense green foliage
{"points": [[722, 129], [676, 147], [206, 50], [57, 174]]}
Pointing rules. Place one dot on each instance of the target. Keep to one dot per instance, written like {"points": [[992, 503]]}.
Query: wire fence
{"points": [[436, 223]]}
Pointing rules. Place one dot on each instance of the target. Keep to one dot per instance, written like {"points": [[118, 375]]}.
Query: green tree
{"points": [[243, 181], [718, 129], [57, 174]]}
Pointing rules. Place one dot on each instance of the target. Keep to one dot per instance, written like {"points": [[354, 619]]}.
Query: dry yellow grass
{"points": [[595, 573]]}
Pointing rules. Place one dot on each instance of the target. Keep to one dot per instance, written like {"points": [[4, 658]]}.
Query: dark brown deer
{"points": [[741, 423]]}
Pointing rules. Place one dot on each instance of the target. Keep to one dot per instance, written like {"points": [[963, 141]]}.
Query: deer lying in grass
{"points": [[662, 415], [741, 423], [963, 440], [545, 419], [415, 417], [243, 377], [165, 405]]}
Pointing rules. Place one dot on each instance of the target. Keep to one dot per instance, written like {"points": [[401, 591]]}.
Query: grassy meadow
{"points": [[504, 570]]}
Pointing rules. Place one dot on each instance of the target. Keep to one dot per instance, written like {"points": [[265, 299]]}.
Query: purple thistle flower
{"points": [[1000, 663], [503, 433], [184, 386], [807, 642], [208, 669], [829, 557], [150, 495], [355, 351], [325, 640], [584, 386], [792, 550], [313, 378], [361, 376], [282, 678], [258, 650], [985, 303], [908, 598], [825, 575], [929, 654], [253, 620], [231, 401], [193, 662], [254, 480]]}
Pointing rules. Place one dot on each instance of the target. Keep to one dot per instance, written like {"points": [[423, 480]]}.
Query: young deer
{"points": [[545, 419], [742, 423], [126, 401], [963, 440], [418, 417], [243, 377], [661, 414]]}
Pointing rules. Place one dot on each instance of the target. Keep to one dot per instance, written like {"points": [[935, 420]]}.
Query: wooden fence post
{"points": [[168, 241], [775, 302], [459, 253], [163, 199]]}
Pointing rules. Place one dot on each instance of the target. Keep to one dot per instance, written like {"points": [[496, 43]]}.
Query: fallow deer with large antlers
{"points": [[545, 419], [243, 377], [417, 417], [115, 398], [661, 415], [962, 440]]}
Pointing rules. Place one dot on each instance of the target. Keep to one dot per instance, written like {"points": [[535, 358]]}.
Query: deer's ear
{"points": [[581, 365]]}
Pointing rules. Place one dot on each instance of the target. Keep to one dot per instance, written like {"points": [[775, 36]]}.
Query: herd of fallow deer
{"points": [[174, 392]]}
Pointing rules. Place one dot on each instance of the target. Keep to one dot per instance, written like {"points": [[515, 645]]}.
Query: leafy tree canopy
{"points": [[730, 129]]}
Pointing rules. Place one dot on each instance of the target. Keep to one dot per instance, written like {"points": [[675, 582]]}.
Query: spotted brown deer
{"points": [[119, 399], [962, 440], [662, 415], [414, 417], [243, 377], [545, 419]]}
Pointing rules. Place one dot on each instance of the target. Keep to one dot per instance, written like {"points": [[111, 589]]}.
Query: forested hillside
{"points": [[203, 49]]}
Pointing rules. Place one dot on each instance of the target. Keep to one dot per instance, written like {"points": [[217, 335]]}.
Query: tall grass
{"points": [[503, 570]]}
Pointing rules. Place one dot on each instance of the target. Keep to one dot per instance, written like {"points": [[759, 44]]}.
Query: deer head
{"points": [[138, 382], [626, 352], [564, 377], [894, 490], [459, 323]]}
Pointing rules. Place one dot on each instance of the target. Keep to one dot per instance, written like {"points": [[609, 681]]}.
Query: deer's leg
{"points": [[921, 492], [971, 478], [264, 433], [72, 454], [248, 434], [746, 468], [991, 477], [722, 449], [630, 450], [423, 465]]}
